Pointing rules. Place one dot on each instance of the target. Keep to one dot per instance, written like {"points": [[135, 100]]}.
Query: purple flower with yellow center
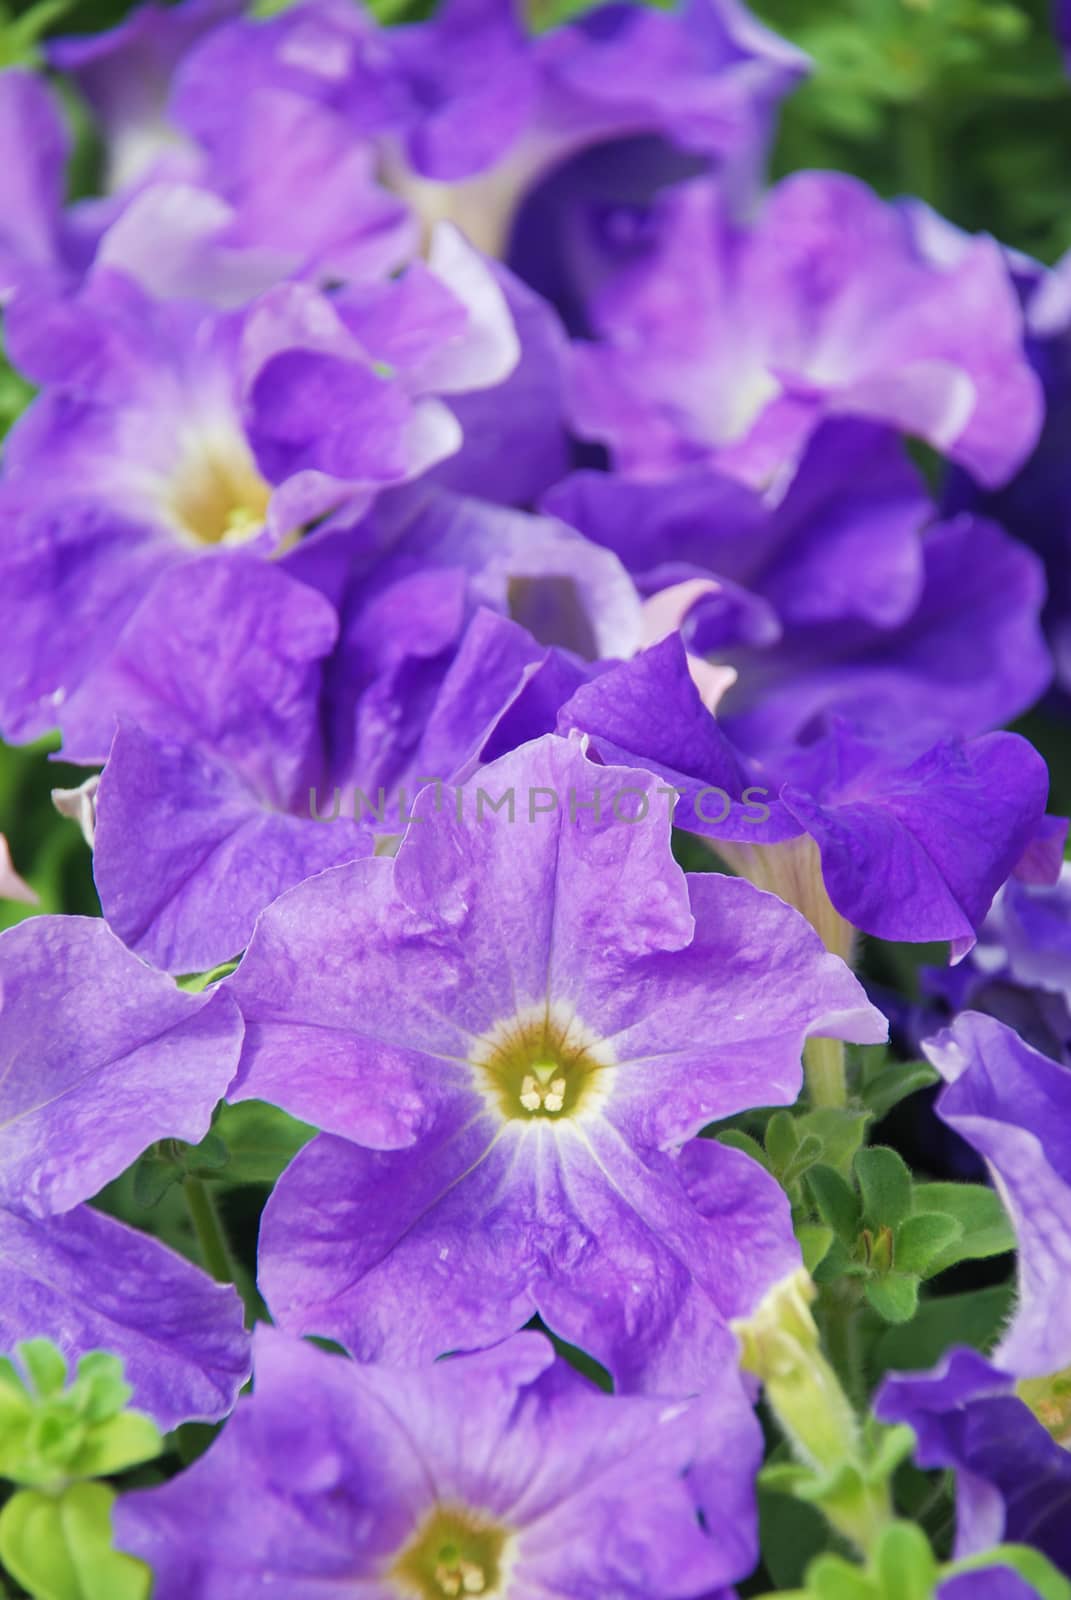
{"points": [[502, 1474], [165, 431], [729, 344], [517, 1134], [100, 1056]]}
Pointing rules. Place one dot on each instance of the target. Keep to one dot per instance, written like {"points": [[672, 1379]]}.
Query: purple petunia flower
{"points": [[1009, 1102], [468, 111], [248, 758], [164, 431], [501, 1473], [1004, 1425], [902, 845], [837, 593], [293, 193], [1020, 970], [88, 1282], [729, 345], [99, 1057], [35, 242], [508, 1032], [1036, 505], [1012, 1477]]}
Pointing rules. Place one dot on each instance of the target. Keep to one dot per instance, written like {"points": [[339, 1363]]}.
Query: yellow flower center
{"points": [[456, 1552], [218, 497], [542, 1065], [1050, 1401]]}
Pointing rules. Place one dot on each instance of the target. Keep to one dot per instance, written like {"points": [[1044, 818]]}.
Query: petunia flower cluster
{"points": [[466, 526]]}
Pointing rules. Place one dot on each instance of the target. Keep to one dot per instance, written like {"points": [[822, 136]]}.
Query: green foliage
{"points": [[249, 1143], [55, 1529], [53, 1434], [891, 1234], [59, 1546], [962, 102]]}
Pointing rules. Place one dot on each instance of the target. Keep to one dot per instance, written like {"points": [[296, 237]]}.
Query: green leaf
{"points": [[830, 1577], [737, 1139], [261, 1140], [920, 1239], [885, 1183], [973, 1319], [841, 1133], [895, 1083], [808, 1151], [984, 1226], [59, 1547], [47, 1366], [782, 1140], [836, 1200], [895, 1298], [905, 1562], [113, 1446], [815, 1240], [154, 1175]]}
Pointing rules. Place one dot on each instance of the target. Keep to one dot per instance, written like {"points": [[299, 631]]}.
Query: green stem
{"points": [[840, 1327], [209, 1230], [823, 1065]]}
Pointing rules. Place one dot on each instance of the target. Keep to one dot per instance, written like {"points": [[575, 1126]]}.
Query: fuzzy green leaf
{"points": [[920, 1239], [895, 1083], [885, 1183], [836, 1200], [59, 1547], [984, 1226], [895, 1298]]}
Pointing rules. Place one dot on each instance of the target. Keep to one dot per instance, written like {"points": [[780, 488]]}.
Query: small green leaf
{"points": [[905, 1562], [737, 1139], [841, 1134], [808, 1151], [984, 1226], [46, 1366], [104, 1573], [153, 1177], [921, 1238], [836, 1200], [782, 1140], [885, 1183], [59, 1547], [895, 1083], [815, 1240], [830, 1577], [895, 1298], [113, 1446]]}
